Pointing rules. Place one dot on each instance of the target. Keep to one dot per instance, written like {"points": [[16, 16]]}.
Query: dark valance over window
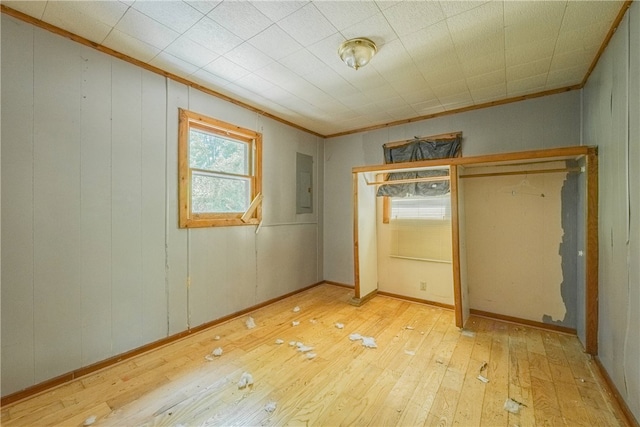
{"points": [[413, 151]]}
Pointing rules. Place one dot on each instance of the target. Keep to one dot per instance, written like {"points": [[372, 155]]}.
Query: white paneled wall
{"points": [[611, 111], [94, 263]]}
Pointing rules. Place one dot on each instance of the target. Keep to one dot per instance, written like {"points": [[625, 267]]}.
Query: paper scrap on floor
{"points": [[270, 407], [246, 379], [250, 323], [483, 379], [279, 341], [512, 406], [295, 323], [217, 352], [296, 309], [340, 325], [90, 420]]}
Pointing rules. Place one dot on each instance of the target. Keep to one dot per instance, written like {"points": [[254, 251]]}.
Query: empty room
{"points": [[323, 213]]}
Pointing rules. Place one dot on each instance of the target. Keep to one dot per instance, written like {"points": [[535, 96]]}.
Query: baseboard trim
{"points": [[532, 323], [418, 300], [342, 285], [617, 396], [86, 370], [357, 302]]}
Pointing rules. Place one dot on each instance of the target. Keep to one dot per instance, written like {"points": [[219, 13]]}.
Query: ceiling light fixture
{"points": [[357, 53]]}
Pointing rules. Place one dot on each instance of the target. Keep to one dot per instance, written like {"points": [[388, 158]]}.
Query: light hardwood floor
{"points": [[424, 372]]}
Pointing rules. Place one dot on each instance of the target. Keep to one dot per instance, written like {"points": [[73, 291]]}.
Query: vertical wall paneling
{"points": [[95, 206], [94, 263], [176, 239], [286, 259], [57, 287], [632, 338], [610, 105], [153, 193], [209, 273], [126, 206], [17, 206]]}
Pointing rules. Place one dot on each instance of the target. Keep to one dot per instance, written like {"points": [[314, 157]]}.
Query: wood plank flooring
{"points": [[423, 372]]}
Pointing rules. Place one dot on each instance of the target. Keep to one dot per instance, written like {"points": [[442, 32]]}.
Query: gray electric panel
{"points": [[304, 183]]}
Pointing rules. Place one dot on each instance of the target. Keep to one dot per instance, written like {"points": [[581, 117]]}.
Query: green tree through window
{"points": [[219, 171]]}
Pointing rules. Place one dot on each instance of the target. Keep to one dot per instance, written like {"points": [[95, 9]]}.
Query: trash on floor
{"points": [[512, 406], [296, 309], [246, 379], [340, 325], [311, 355], [90, 420], [467, 333], [279, 341], [270, 407], [483, 379], [295, 323], [250, 323], [369, 342], [292, 343], [409, 328], [217, 352], [217, 337], [304, 348], [410, 352]]}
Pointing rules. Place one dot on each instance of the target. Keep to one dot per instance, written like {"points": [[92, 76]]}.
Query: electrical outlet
{"points": [[423, 286]]}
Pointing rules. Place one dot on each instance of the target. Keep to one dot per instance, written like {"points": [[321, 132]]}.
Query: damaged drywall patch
{"points": [[568, 250]]}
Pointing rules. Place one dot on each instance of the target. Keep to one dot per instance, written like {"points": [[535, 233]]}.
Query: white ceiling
{"points": [[281, 56]]}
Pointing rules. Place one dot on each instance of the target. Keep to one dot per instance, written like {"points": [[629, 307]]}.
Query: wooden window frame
{"points": [[188, 219]]}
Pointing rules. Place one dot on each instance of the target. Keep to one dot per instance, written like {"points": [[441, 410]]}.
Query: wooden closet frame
{"points": [[590, 156]]}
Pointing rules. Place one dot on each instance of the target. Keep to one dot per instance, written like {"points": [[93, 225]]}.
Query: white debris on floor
{"points": [[296, 309], [292, 343], [340, 325], [217, 352], [90, 420], [409, 328], [279, 341], [410, 352], [304, 348], [512, 406], [483, 378], [467, 333], [311, 355], [246, 379], [250, 323], [368, 342], [295, 323], [270, 407], [216, 338]]}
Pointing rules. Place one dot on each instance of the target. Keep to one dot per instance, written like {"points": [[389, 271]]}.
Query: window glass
{"points": [[220, 172]]}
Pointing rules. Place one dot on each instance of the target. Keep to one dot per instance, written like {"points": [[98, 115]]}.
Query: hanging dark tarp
{"points": [[414, 151]]}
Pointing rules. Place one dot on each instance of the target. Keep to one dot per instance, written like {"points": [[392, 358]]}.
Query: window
{"points": [[429, 207], [219, 172], [420, 227]]}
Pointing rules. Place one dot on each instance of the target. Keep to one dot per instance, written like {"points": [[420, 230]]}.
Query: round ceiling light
{"points": [[357, 53]]}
